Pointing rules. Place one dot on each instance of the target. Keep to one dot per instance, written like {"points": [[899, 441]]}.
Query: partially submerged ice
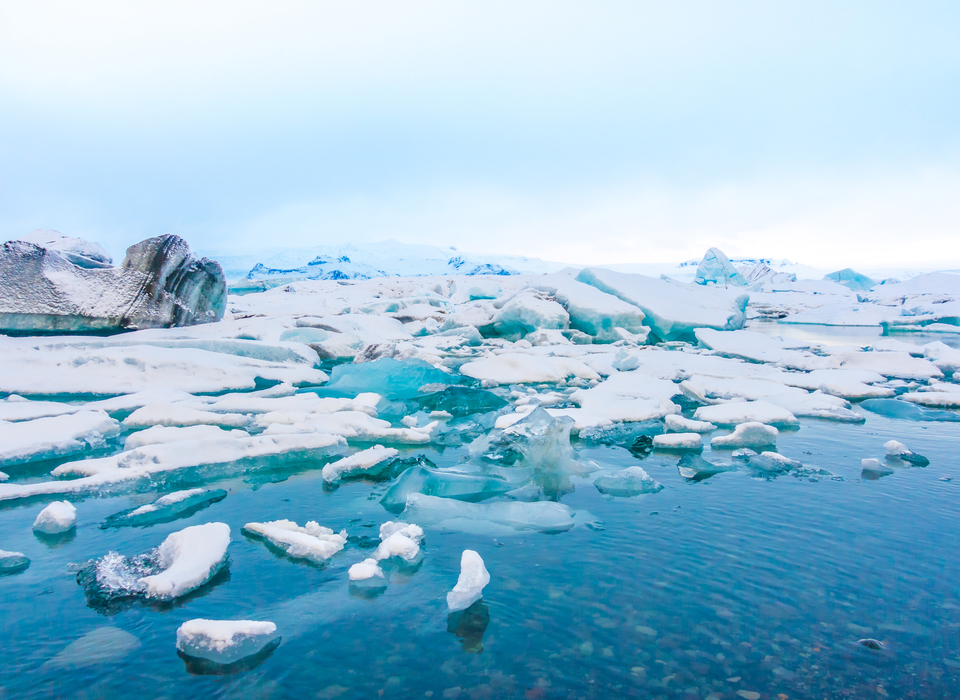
{"points": [[225, 643], [56, 518], [473, 579], [12, 562], [312, 542], [539, 516], [172, 506], [696, 468], [54, 436], [444, 483], [748, 435], [399, 540], [632, 481], [183, 562], [371, 462], [57, 286]]}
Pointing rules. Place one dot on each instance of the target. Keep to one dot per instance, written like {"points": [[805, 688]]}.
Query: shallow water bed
{"points": [[705, 589]]}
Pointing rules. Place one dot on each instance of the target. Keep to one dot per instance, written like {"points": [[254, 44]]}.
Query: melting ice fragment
{"points": [[395, 379], [679, 424], [473, 577], [103, 645], [172, 506], [367, 574], [678, 442], [312, 542], [399, 540], [439, 482], [772, 463], [56, 518], [894, 408], [462, 401], [695, 467], [12, 562], [371, 462], [541, 516], [874, 468], [54, 436], [748, 435], [631, 481], [222, 646]]}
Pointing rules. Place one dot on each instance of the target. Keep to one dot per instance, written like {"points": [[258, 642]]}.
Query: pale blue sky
{"points": [[826, 132]]}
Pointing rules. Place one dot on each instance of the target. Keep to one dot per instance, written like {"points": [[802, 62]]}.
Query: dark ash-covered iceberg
{"points": [[52, 283]]}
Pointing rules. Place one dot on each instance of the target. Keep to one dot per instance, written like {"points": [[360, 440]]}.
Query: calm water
{"points": [[704, 589]]}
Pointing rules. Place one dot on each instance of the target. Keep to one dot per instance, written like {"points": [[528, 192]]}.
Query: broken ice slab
{"points": [[748, 435], [679, 424], [54, 436], [716, 268], [144, 464], [462, 401], [696, 468], [183, 562], [897, 450], [473, 579], [449, 513], [621, 433], [313, 542], [538, 441], [678, 442], [394, 379], [632, 481], [225, 646], [736, 412], [400, 540], [772, 463], [520, 368], [12, 562], [178, 415], [179, 504], [894, 408], [443, 483], [371, 463]]}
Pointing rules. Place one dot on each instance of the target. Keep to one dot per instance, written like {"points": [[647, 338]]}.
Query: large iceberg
{"points": [[715, 268], [55, 285]]}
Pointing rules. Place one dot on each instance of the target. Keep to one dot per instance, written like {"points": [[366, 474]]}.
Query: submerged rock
{"points": [[103, 645], [59, 286]]}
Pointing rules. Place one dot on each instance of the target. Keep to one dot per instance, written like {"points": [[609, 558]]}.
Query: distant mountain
{"points": [[363, 261]]}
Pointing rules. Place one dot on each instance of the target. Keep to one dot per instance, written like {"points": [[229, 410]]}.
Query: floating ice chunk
{"points": [[672, 310], [695, 467], [946, 359], [443, 483], [349, 424], [12, 562], [715, 268], [624, 396], [56, 518], [399, 540], [16, 408], [679, 424], [178, 415], [895, 408], [874, 468], [312, 542], [517, 368], [395, 379], [473, 578], [101, 646], [897, 450], [816, 405], [365, 571], [55, 436], [898, 365], [369, 462], [748, 435], [4, 476], [936, 395], [189, 558], [678, 441], [166, 508], [462, 401], [631, 481], [541, 516], [162, 435], [756, 347], [225, 642], [737, 412]]}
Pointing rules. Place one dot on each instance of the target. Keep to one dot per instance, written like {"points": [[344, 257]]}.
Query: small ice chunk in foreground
{"points": [[631, 481], [473, 577], [312, 542], [166, 508], [225, 642], [899, 450], [874, 468], [695, 467], [58, 517], [189, 558], [12, 562], [399, 540], [748, 435], [678, 441], [367, 574]]}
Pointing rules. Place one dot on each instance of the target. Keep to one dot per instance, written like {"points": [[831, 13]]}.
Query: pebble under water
{"points": [[732, 587]]}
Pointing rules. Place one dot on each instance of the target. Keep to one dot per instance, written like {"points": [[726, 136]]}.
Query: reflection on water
{"points": [[739, 583]]}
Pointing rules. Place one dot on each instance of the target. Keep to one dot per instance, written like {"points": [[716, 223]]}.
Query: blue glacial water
{"points": [[703, 590]]}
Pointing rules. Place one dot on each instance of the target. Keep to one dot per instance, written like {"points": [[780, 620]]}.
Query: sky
{"points": [[587, 132]]}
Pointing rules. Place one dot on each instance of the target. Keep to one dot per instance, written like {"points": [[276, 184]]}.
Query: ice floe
{"points": [[54, 436], [473, 579], [312, 542], [56, 518], [226, 642]]}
